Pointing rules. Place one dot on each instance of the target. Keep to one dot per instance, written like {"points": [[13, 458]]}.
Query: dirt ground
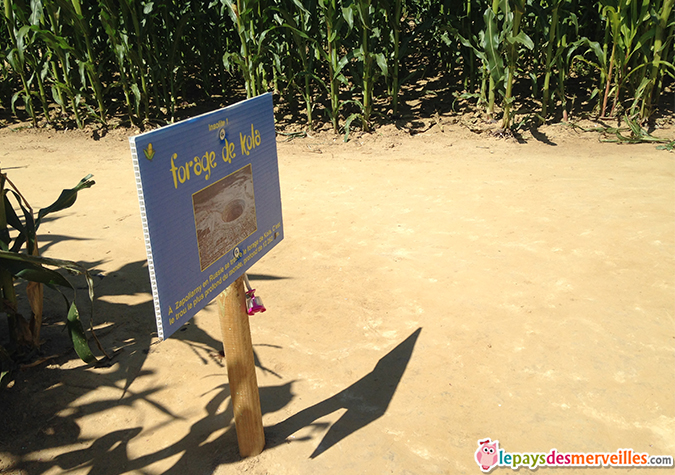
{"points": [[432, 290]]}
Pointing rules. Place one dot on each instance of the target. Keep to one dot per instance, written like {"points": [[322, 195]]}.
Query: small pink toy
{"points": [[253, 304]]}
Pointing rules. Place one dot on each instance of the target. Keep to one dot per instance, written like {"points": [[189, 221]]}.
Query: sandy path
{"points": [[522, 292]]}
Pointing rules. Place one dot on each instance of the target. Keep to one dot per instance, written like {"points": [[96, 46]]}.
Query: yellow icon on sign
{"points": [[149, 152]]}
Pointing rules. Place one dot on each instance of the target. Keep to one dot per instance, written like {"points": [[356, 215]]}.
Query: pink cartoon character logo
{"points": [[487, 454]]}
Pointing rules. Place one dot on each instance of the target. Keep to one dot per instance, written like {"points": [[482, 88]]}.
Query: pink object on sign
{"points": [[254, 304]]}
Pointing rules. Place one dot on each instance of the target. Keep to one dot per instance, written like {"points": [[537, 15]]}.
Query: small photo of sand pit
{"points": [[224, 215]]}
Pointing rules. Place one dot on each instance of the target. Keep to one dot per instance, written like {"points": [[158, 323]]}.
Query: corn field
{"points": [[337, 62]]}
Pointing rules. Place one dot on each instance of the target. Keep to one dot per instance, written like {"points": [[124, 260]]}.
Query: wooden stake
{"points": [[241, 369]]}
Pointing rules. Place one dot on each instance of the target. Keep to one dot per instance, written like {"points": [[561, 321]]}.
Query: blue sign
{"points": [[208, 189]]}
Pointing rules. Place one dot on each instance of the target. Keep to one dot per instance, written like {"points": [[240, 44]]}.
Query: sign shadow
{"points": [[365, 401]]}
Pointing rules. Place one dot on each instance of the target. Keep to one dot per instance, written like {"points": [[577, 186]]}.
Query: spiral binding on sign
{"points": [[146, 238]]}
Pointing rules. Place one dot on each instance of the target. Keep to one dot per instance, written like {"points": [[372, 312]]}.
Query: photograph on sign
{"points": [[224, 215]]}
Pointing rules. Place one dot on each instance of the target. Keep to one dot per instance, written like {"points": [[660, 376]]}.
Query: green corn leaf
{"points": [[479, 53], [44, 71], [33, 273], [300, 6], [136, 91], [70, 266], [54, 41], [30, 268], [595, 47], [571, 49], [65, 200], [29, 220], [523, 39], [81, 66], [78, 336], [348, 15], [670, 146], [348, 123], [15, 97], [492, 41], [338, 25], [445, 38], [634, 127], [263, 35], [232, 60], [20, 38], [340, 65], [36, 12], [303, 74], [296, 31], [12, 218], [382, 63], [4, 230], [27, 230]]}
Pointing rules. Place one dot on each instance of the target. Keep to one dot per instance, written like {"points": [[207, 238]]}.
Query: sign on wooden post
{"points": [[208, 189]]}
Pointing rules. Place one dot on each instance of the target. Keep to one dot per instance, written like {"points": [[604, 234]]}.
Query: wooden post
{"points": [[241, 369]]}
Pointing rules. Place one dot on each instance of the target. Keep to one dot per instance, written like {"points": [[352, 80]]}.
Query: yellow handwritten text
{"points": [[195, 167], [219, 124], [204, 164], [228, 152], [249, 142]]}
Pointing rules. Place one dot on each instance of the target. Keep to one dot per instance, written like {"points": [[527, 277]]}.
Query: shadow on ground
{"points": [[41, 408], [365, 401]]}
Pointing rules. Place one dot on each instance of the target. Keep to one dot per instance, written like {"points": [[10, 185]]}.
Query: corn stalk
{"points": [[247, 17], [394, 12], [88, 61], [16, 58], [337, 24], [62, 52], [658, 65], [364, 10], [299, 20], [559, 54], [491, 43], [514, 37]]}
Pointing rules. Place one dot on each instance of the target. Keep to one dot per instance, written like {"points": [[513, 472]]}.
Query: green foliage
{"points": [[299, 23], [337, 24], [89, 61], [252, 22], [20, 259], [560, 24], [637, 134]]}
